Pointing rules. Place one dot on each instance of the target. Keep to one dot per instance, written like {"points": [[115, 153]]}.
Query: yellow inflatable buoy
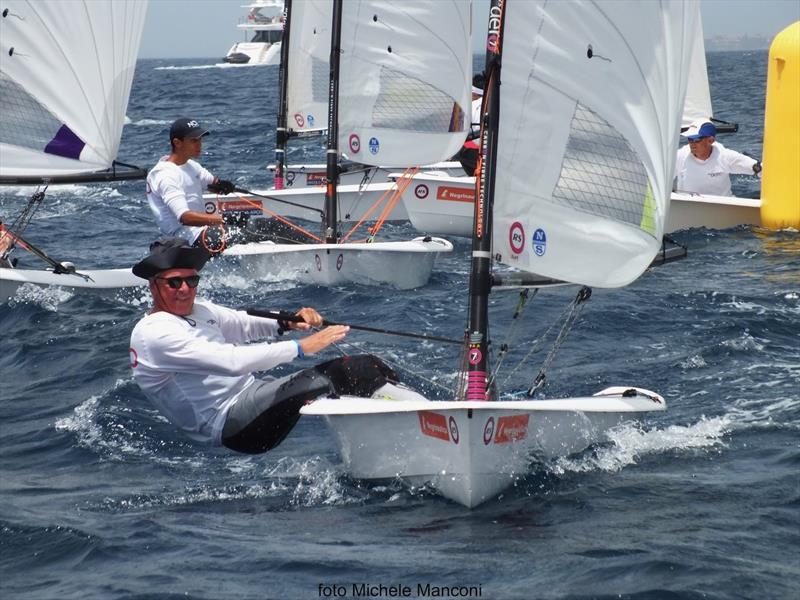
{"points": [[780, 186]]}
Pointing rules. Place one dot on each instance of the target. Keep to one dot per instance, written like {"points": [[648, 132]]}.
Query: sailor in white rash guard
{"points": [[175, 185], [192, 361], [703, 166]]}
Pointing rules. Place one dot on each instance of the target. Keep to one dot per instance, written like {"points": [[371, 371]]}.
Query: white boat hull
{"points": [[261, 54], [103, 281], [468, 451], [403, 265], [443, 205]]}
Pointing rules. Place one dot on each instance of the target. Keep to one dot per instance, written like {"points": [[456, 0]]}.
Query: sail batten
{"points": [[66, 71], [589, 117]]}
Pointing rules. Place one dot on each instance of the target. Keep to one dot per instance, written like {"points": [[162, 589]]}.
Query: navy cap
{"points": [[700, 129], [186, 128]]}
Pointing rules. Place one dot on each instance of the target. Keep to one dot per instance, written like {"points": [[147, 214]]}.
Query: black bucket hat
{"points": [[170, 253]]}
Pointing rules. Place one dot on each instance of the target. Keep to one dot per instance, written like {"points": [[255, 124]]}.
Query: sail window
{"points": [[25, 121], [320, 79], [602, 175], [410, 104]]}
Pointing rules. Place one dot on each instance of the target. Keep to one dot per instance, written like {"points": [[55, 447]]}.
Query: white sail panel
{"points": [[309, 66], [590, 111], [66, 69], [405, 80], [698, 95]]}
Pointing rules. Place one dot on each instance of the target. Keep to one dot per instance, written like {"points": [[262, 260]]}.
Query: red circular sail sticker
{"points": [[298, 118], [421, 191], [475, 356], [516, 237], [355, 143]]}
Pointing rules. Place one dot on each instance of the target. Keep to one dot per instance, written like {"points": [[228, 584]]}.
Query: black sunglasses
{"points": [[176, 282]]}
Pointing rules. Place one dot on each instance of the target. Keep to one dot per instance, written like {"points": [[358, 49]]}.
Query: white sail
{"points": [[309, 66], [698, 96], [66, 68], [404, 85], [590, 111]]}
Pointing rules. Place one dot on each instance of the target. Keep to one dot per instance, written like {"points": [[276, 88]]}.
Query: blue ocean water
{"points": [[102, 498]]}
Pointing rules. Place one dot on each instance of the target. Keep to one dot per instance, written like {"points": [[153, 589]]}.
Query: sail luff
{"points": [[332, 158], [481, 263], [281, 134]]}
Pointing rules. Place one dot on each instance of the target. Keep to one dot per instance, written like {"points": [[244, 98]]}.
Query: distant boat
{"points": [[264, 48], [66, 78]]}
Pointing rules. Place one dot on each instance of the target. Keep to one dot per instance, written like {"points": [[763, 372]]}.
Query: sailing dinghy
{"points": [[595, 93], [397, 93], [65, 77]]}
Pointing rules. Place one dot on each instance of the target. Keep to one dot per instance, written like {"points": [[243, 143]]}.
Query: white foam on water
{"points": [[49, 298], [149, 122]]}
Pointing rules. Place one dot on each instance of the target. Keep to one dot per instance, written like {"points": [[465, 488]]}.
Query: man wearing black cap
{"points": [[191, 359], [175, 185], [703, 166]]}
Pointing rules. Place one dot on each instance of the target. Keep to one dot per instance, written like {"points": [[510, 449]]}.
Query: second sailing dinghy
{"points": [[590, 92], [398, 93], [66, 71]]}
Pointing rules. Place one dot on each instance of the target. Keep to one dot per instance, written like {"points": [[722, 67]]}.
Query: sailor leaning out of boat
{"points": [[176, 183], [192, 360]]}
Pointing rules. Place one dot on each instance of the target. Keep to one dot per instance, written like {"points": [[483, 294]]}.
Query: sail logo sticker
{"points": [[316, 178], [511, 429], [310, 119], [339, 262], [539, 242], [455, 194], [298, 118], [211, 208], [318, 262], [433, 425], [516, 237], [134, 359], [374, 145], [421, 191], [354, 143], [451, 422], [242, 206], [475, 356], [488, 431]]}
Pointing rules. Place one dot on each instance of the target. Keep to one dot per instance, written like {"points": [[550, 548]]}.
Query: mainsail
{"points": [[66, 69], [590, 113], [404, 85], [308, 66]]}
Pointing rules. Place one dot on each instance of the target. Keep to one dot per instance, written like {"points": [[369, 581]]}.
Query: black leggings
{"points": [[267, 411]]}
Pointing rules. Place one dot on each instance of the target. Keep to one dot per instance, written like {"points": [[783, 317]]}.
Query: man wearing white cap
{"points": [[703, 166]]}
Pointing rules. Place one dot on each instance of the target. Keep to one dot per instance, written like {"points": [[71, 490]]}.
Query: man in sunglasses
{"points": [[175, 185], [192, 360], [703, 166]]}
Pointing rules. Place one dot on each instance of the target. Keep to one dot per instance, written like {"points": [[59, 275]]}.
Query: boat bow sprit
{"points": [[594, 95]]}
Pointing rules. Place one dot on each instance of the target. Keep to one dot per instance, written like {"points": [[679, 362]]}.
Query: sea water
{"points": [[103, 498]]}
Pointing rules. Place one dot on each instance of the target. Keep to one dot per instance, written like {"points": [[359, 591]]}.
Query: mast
{"points": [[480, 275], [281, 133], [332, 171]]}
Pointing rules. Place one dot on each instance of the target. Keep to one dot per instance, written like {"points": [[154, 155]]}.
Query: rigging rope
{"points": [[512, 330]]}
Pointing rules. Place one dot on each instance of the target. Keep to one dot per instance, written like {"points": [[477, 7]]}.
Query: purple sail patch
{"points": [[65, 143]]}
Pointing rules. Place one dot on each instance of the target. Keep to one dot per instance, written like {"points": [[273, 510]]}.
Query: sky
{"points": [[207, 28]]}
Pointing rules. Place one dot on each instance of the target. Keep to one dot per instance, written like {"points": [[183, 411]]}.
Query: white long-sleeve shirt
{"points": [[173, 190], [194, 368], [710, 176]]}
